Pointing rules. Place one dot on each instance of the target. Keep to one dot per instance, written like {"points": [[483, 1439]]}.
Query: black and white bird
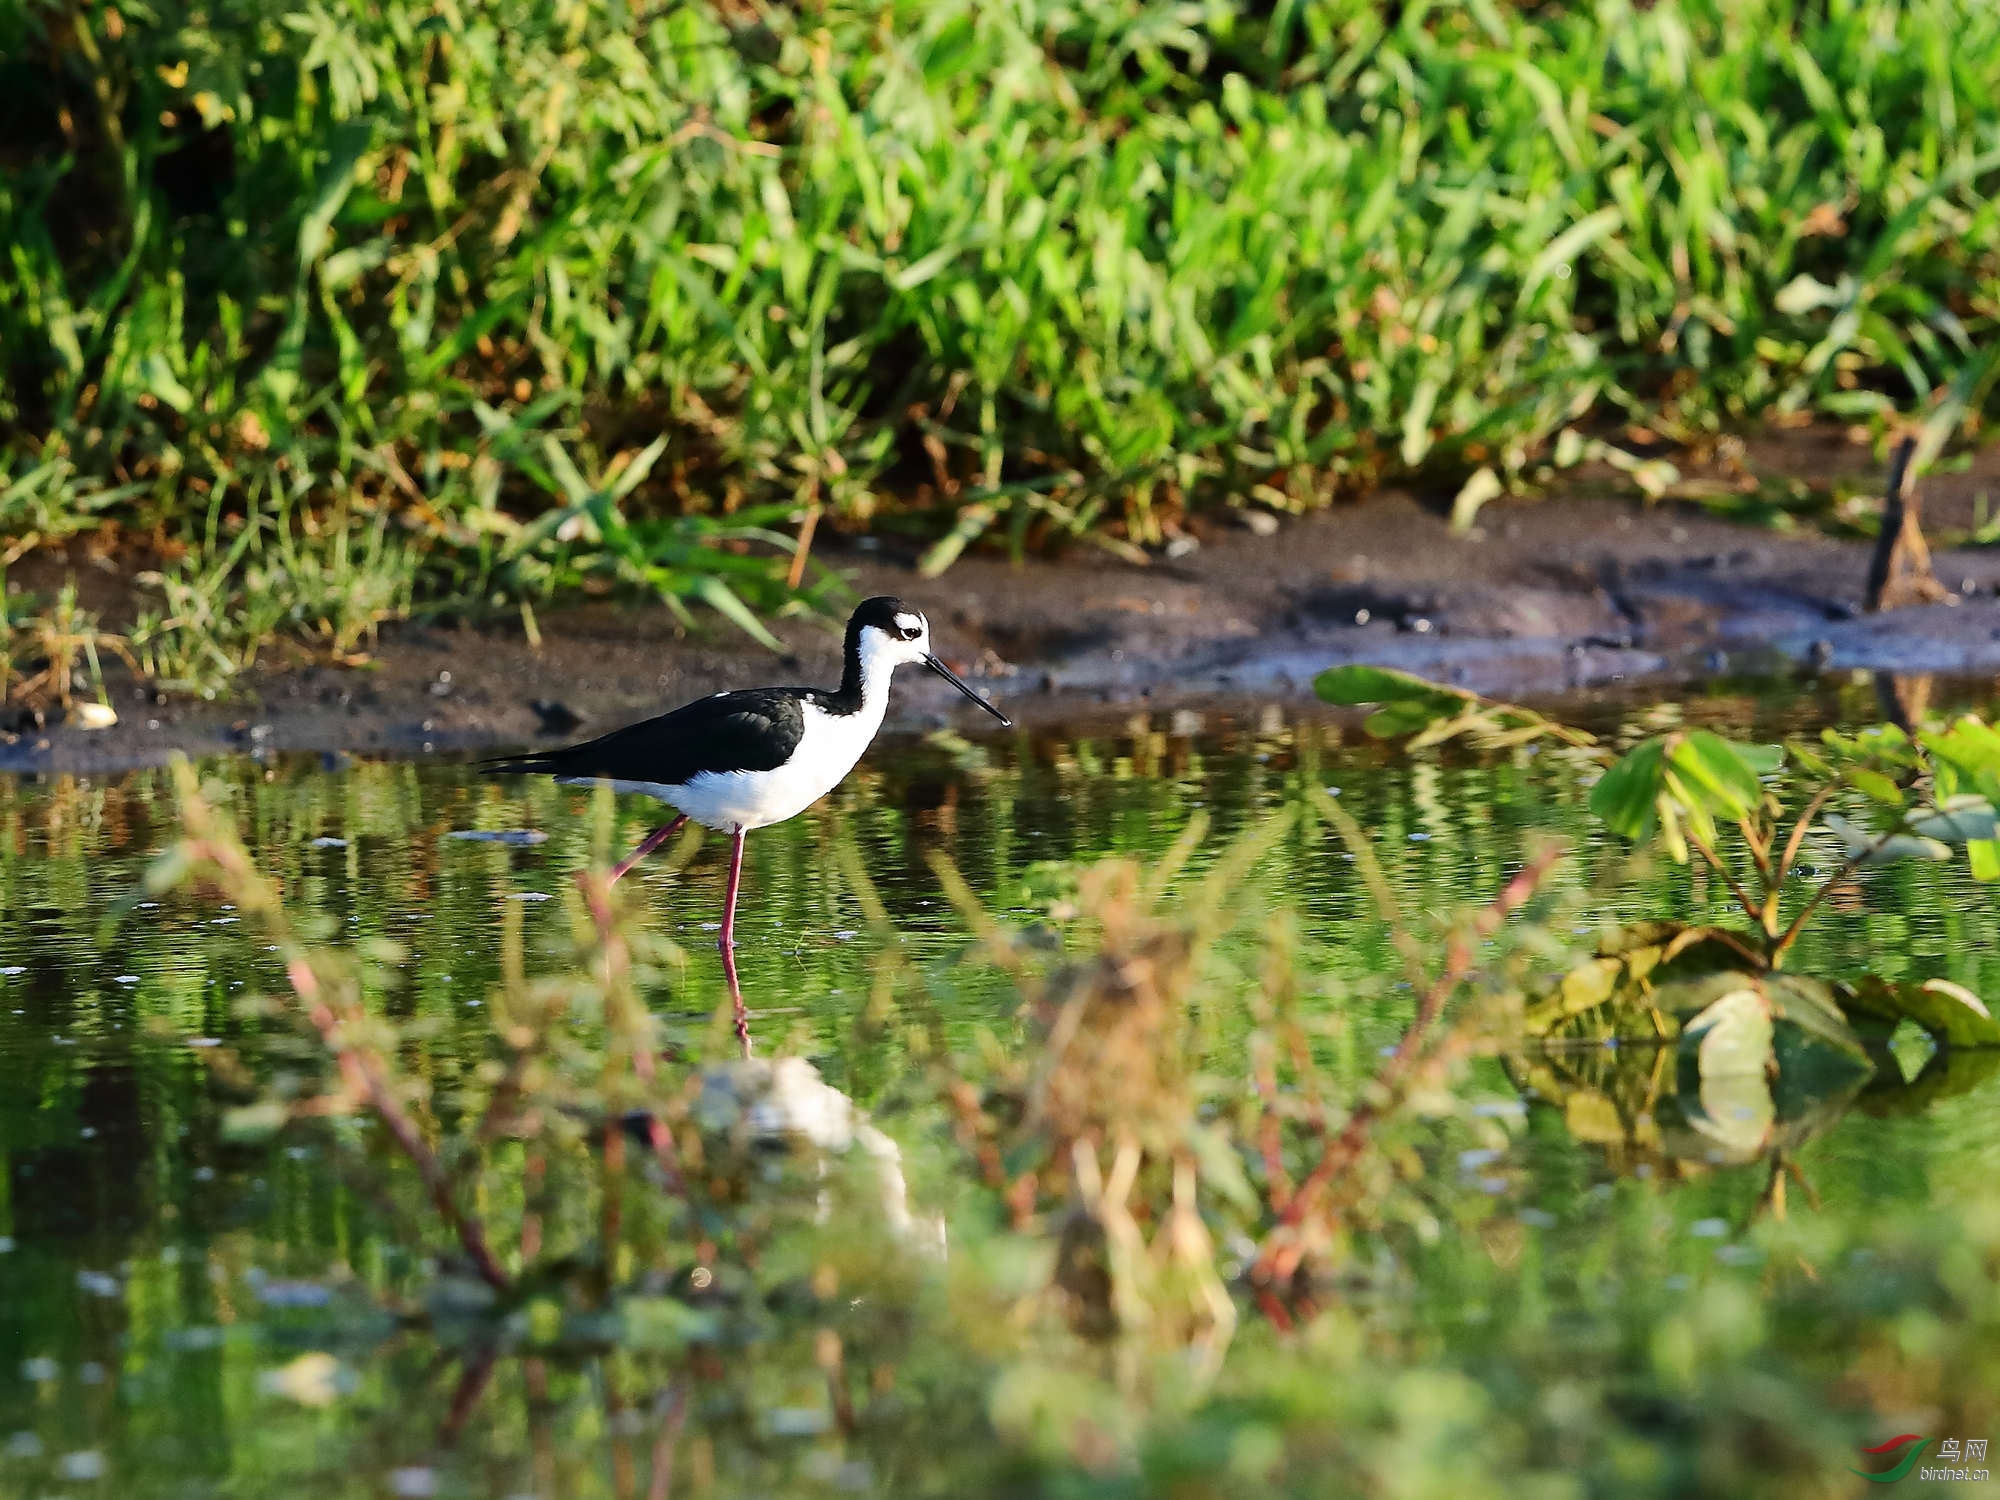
{"points": [[751, 758]]}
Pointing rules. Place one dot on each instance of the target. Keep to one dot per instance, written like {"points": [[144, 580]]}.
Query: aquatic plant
{"points": [[1765, 1056], [1106, 1080]]}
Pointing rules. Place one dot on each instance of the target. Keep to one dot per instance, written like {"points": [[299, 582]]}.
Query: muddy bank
{"points": [[1553, 597]]}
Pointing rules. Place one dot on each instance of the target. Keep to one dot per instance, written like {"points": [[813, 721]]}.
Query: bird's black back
{"points": [[756, 729]]}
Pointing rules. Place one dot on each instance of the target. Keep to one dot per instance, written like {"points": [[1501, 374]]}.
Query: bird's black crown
{"points": [[881, 612]]}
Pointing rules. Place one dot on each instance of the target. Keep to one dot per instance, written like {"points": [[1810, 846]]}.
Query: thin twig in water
{"points": [[617, 962], [1714, 861], [1799, 831], [363, 1073], [1379, 890], [661, 1485], [1281, 1251]]}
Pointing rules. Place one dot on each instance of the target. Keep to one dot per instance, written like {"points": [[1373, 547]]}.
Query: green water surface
{"points": [[160, 1276]]}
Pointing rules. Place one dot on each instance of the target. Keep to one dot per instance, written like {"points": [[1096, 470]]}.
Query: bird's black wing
{"points": [[754, 730]]}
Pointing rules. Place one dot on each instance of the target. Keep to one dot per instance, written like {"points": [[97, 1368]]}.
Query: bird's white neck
{"points": [[876, 660]]}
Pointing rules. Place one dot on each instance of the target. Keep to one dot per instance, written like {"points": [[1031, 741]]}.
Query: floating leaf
{"points": [[1879, 849], [254, 1122], [1433, 713], [1960, 820], [313, 1379], [1950, 1013], [1355, 684], [1733, 1034]]}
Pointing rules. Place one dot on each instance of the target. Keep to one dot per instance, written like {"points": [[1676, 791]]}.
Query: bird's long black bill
{"points": [[960, 683]]}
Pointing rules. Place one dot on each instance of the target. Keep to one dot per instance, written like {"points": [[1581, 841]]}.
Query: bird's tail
{"points": [[532, 764]]}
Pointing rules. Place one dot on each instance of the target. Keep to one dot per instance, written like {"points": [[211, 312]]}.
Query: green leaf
{"points": [[972, 524], [1625, 796], [1874, 784], [1417, 421], [1763, 760], [718, 596], [1984, 857], [254, 1122], [1352, 685], [336, 178], [1394, 720], [1714, 771]]}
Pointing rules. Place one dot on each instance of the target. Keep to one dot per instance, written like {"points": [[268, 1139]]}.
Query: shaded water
{"points": [[162, 1277]]}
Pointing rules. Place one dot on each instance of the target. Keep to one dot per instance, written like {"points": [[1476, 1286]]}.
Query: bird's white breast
{"points": [[724, 800]]}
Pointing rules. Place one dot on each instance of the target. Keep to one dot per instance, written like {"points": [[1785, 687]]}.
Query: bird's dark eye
{"points": [[909, 632]]}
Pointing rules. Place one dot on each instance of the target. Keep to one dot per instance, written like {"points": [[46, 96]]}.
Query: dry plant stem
{"points": [[804, 549], [973, 1132], [1270, 1130], [362, 1072], [1281, 1249], [533, 1174], [624, 1473], [360, 1069], [1899, 573], [1760, 849]]}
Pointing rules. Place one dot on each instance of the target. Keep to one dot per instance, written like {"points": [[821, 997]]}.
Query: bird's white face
{"points": [[906, 639]]}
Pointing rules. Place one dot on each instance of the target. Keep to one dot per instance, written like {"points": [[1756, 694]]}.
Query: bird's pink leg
{"points": [[726, 940], [647, 845]]}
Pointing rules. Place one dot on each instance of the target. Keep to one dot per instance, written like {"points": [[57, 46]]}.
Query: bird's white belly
{"points": [[726, 800]]}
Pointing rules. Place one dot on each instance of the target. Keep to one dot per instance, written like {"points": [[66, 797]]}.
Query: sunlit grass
{"points": [[500, 298]]}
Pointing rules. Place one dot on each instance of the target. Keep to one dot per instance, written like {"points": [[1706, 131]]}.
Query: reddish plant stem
{"points": [[472, 1383], [363, 1074], [1790, 853], [1270, 1130], [617, 959], [1750, 908], [1280, 1255], [532, 1174], [971, 1132], [661, 1484], [360, 1069], [1273, 1309]]}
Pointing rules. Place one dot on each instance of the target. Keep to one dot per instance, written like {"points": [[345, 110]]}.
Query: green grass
{"points": [[503, 297]]}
